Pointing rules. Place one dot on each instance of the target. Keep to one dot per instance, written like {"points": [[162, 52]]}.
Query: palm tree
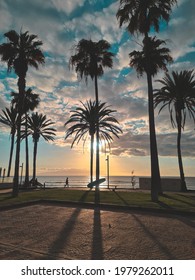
{"points": [[178, 94], [90, 59], [39, 126], [84, 123], [9, 118], [140, 16], [30, 102], [150, 60], [21, 51]]}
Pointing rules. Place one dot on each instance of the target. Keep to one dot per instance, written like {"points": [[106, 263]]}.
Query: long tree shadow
{"points": [[164, 205], [121, 198], [179, 200], [63, 236], [97, 246], [161, 246], [187, 221]]}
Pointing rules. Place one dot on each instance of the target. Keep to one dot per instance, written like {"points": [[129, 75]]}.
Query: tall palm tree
{"points": [[140, 16], [178, 94], [150, 60], [9, 118], [84, 122], [30, 102], [90, 59], [19, 52], [39, 126]]}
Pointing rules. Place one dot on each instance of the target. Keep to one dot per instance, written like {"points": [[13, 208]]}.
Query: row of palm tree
{"points": [[24, 101], [90, 59], [35, 125], [19, 52]]}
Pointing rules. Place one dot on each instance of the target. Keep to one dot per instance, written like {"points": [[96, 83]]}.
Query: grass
{"points": [[171, 201]]}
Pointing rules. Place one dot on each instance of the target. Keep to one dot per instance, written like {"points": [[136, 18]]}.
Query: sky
{"points": [[60, 24]]}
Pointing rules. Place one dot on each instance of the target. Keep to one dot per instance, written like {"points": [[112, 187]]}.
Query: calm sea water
{"points": [[119, 181]]}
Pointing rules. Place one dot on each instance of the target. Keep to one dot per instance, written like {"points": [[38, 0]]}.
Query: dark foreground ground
{"points": [[57, 232]]}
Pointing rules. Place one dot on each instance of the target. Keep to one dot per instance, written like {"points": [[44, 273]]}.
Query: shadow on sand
{"points": [[97, 247], [155, 239], [65, 233]]}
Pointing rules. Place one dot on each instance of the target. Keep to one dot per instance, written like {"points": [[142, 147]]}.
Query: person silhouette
{"points": [[66, 183]]}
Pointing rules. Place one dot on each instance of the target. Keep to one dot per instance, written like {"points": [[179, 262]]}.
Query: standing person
{"points": [[66, 183]]}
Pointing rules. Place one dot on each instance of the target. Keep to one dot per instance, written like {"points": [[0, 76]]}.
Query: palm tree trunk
{"points": [[97, 133], [11, 154], [21, 87], [27, 154], [91, 158], [182, 177], [34, 161], [155, 171]]}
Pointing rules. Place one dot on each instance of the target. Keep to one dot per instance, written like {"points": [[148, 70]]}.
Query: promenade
{"points": [[52, 231]]}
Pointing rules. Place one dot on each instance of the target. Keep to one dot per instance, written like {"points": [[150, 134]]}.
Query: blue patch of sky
{"points": [[188, 57], [163, 26], [123, 73], [114, 48], [63, 84], [135, 125]]}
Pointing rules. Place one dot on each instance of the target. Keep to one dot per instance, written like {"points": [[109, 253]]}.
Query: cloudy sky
{"points": [[62, 23]]}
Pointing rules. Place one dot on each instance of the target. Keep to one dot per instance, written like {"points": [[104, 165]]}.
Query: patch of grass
{"points": [[174, 201]]}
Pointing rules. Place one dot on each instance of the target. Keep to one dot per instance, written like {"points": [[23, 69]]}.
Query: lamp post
{"points": [[21, 174], [108, 175]]}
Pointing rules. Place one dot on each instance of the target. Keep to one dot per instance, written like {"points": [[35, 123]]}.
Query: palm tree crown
{"points": [[21, 51], [39, 126], [178, 94], [152, 58], [90, 58], [30, 102], [9, 118], [85, 122], [141, 15]]}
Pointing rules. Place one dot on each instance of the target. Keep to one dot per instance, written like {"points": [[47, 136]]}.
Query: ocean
{"points": [[119, 181]]}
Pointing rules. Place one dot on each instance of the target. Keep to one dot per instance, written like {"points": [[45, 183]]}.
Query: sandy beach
{"points": [[57, 232]]}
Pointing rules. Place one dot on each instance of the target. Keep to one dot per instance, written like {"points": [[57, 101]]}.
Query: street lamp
{"points": [[108, 175], [21, 174]]}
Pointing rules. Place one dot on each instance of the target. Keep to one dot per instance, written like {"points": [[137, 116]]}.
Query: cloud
{"points": [[67, 6]]}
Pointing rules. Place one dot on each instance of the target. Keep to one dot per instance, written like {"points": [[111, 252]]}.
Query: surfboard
{"points": [[96, 182]]}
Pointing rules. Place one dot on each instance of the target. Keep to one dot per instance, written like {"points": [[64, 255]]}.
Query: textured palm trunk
{"points": [[155, 171], [182, 177], [34, 161], [21, 87], [11, 155], [91, 158], [27, 155], [97, 133]]}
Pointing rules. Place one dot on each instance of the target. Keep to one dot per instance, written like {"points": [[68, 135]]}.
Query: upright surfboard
{"points": [[96, 182]]}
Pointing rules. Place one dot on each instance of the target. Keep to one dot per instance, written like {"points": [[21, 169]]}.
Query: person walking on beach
{"points": [[67, 183]]}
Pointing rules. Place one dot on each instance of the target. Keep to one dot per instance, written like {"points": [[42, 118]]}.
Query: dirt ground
{"points": [[57, 232]]}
